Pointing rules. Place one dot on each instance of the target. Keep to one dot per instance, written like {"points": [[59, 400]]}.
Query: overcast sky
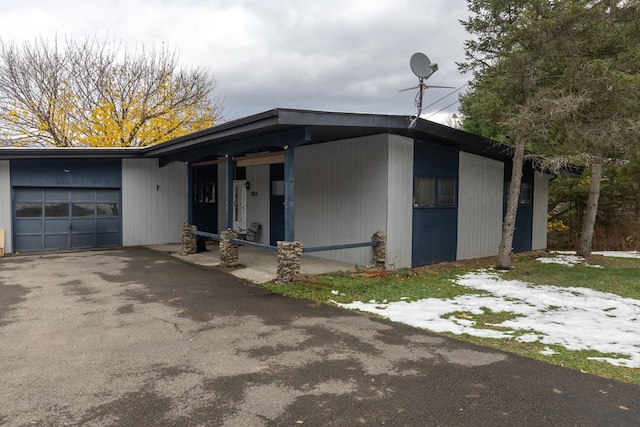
{"points": [[337, 55]]}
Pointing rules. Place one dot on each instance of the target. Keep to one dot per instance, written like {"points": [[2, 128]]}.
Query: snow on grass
{"points": [[575, 318]]}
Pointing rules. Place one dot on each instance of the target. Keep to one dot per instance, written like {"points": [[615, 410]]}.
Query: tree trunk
{"points": [[589, 218], [509, 223]]}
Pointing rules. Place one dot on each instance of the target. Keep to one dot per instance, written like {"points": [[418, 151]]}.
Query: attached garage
{"points": [[66, 218], [66, 204]]}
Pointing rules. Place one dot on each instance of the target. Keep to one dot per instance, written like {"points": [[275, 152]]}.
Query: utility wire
{"points": [[442, 109], [446, 96]]}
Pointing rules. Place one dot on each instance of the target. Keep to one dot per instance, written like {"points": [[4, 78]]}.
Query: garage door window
{"points": [[56, 209], [28, 210]]}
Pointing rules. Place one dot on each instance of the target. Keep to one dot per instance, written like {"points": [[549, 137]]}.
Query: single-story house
{"points": [[321, 178]]}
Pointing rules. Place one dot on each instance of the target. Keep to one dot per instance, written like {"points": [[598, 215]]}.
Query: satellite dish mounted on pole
{"points": [[423, 68]]}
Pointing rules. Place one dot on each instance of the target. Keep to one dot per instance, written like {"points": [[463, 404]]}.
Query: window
{"points": [[526, 194], [432, 192], [446, 192], [425, 191]]}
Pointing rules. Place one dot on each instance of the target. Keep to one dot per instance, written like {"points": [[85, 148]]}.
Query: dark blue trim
{"points": [[435, 229], [77, 173]]}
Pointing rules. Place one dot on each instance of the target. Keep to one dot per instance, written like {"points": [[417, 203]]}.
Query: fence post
{"points": [[289, 254], [228, 249], [380, 250], [189, 241]]}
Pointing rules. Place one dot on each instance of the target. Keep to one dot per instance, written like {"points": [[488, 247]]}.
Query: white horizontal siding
{"points": [[341, 195], [540, 211], [5, 205], [153, 202], [399, 203], [480, 200]]}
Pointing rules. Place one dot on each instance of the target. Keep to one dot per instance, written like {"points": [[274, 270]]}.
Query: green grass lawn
{"points": [[619, 276]]}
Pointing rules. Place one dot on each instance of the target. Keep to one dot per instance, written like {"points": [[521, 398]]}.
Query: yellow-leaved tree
{"points": [[99, 94]]}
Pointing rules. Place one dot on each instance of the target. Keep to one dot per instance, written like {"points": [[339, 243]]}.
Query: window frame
{"points": [[437, 198]]}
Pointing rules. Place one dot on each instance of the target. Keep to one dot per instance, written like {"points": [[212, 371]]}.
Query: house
{"points": [[321, 178]]}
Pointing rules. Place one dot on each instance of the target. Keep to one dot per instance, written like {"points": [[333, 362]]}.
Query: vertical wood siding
{"points": [[153, 202], [258, 200], [480, 199], [399, 203], [540, 210], [341, 195], [5, 206]]}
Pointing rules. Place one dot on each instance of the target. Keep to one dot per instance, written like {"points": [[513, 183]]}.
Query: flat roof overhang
{"points": [[273, 130]]}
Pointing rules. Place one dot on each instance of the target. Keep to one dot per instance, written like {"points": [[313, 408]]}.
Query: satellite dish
{"points": [[421, 65], [423, 68]]}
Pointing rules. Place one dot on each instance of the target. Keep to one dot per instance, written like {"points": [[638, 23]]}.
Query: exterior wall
{"points": [[153, 202], [258, 200], [480, 199], [399, 203], [340, 190], [540, 210], [5, 206]]}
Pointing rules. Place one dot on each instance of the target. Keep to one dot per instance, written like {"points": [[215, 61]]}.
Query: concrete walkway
{"points": [[256, 265]]}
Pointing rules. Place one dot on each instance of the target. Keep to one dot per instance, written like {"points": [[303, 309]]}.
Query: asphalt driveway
{"points": [[136, 337]]}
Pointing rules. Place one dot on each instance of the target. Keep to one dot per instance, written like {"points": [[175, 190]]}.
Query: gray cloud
{"points": [[347, 55]]}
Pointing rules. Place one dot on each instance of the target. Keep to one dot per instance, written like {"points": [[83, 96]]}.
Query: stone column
{"points": [[228, 249], [289, 254], [189, 241], [380, 250]]}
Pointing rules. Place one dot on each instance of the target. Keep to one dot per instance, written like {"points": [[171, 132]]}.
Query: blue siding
{"points": [[204, 212], [276, 206], [79, 173], [523, 233], [435, 230]]}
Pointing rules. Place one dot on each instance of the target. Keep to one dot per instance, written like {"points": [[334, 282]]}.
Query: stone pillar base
{"points": [[289, 254], [228, 249], [189, 241], [380, 250]]}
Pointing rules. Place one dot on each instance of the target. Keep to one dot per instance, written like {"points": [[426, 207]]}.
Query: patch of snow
{"points": [[568, 260], [618, 254], [548, 352], [575, 318]]}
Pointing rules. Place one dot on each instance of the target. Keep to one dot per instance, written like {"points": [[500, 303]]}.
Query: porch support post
{"points": [[289, 194], [229, 192], [189, 193]]}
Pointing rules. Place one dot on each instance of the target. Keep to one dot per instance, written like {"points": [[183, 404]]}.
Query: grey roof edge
{"points": [[290, 117]]}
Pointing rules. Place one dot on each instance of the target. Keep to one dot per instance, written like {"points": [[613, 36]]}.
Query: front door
{"points": [[239, 205]]}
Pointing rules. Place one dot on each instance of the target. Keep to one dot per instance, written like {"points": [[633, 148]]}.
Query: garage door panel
{"points": [[109, 239], [28, 242], [85, 225], [56, 194], [28, 226], [83, 240], [26, 195], [108, 196], [108, 224], [58, 225], [62, 218], [83, 195], [56, 241]]}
